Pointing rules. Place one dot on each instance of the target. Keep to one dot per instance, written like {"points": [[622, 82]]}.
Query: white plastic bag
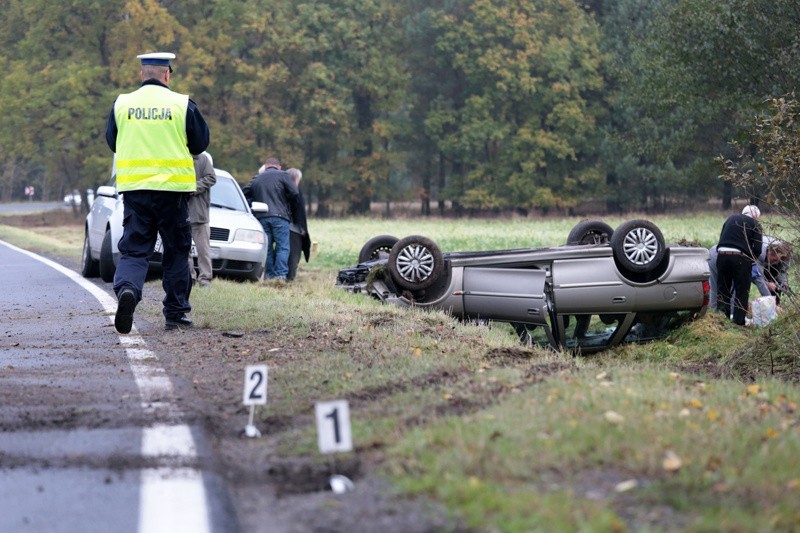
{"points": [[763, 310]]}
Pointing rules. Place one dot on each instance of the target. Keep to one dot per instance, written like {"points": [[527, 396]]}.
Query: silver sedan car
{"points": [[238, 243], [603, 288]]}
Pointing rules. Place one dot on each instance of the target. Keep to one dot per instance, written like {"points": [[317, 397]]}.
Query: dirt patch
{"points": [[263, 481]]}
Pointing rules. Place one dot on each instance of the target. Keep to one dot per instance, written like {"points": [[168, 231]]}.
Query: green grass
{"points": [[62, 241], [697, 432]]}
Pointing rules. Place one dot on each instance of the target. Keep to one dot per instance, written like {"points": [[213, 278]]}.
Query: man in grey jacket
{"points": [[199, 203], [275, 188]]}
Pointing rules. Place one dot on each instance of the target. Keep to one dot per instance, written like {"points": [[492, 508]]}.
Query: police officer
{"points": [[155, 132]]}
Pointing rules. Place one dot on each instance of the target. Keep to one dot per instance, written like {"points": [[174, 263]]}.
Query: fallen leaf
{"points": [[416, 352], [713, 464], [753, 389], [671, 462], [684, 412], [696, 403], [601, 376], [713, 415], [613, 417], [626, 485]]}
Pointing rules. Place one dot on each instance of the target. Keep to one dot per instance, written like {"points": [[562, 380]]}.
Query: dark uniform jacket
{"points": [[742, 233], [276, 189]]}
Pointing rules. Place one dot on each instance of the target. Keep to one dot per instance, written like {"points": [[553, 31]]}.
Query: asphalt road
{"points": [[90, 436], [31, 207]]}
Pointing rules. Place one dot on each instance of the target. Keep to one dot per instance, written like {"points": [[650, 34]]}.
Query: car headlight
{"points": [[249, 235]]}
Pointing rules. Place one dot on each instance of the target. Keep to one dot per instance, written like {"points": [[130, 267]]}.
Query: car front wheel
{"points": [[638, 245], [90, 268], [415, 263], [107, 266], [590, 232], [377, 248]]}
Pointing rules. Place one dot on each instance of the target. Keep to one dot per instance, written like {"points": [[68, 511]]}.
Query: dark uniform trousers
{"points": [[734, 276], [146, 214]]}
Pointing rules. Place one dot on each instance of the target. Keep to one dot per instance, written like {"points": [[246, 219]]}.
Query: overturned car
{"points": [[603, 288]]}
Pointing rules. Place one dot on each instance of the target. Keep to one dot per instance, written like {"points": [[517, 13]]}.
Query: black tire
{"points": [[107, 266], [590, 232], [415, 263], [638, 245], [90, 268], [377, 247]]}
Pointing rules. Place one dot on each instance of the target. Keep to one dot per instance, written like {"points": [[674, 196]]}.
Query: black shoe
{"points": [[182, 322], [123, 320]]}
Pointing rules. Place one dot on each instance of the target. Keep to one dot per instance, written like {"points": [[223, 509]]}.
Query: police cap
{"points": [[160, 59]]}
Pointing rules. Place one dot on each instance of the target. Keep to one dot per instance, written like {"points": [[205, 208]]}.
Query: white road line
{"points": [[170, 499]]}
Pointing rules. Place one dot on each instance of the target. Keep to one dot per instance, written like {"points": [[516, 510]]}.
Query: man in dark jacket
{"points": [[739, 246], [275, 188], [299, 239]]}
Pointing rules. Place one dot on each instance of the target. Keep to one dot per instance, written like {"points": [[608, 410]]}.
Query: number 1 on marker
{"points": [[333, 426]]}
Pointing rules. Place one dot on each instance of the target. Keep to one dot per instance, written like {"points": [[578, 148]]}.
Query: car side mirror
{"points": [[259, 208], [107, 190]]}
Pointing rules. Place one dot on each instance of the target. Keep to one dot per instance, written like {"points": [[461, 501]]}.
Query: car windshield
{"points": [[225, 194]]}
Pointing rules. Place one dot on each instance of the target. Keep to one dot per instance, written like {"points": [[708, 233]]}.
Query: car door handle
{"points": [[619, 299]]}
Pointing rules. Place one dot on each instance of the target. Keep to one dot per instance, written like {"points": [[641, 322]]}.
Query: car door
{"points": [[505, 294]]}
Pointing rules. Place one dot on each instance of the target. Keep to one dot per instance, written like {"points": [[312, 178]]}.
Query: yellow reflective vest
{"points": [[151, 141]]}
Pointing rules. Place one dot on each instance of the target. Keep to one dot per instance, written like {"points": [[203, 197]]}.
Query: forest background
{"points": [[461, 106]]}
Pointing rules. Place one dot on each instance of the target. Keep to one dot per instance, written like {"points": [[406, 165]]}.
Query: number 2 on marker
{"points": [[255, 385]]}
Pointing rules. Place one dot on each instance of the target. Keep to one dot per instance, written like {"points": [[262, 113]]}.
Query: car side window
{"points": [[591, 331]]}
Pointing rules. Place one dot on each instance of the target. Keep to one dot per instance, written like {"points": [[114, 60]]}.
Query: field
{"points": [[697, 432]]}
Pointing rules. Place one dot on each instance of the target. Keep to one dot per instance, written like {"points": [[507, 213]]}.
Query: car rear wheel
{"points": [[90, 268], [590, 232], [377, 247], [415, 263], [638, 245], [107, 267]]}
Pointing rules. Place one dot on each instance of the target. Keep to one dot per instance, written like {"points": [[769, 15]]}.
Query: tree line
{"points": [[459, 105]]}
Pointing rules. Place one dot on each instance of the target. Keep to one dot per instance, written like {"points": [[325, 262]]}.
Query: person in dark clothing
{"points": [[275, 188], [154, 132], [738, 248], [299, 239], [774, 267]]}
